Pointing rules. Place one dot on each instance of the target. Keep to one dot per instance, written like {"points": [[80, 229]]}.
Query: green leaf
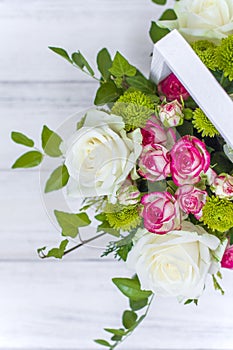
{"points": [[28, 160], [160, 2], [57, 179], [51, 142], [40, 251], [168, 15], [157, 33], [131, 288], [22, 139], [106, 93], [138, 305], [116, 338], [119, 332], [102, 342], [121, 67], [70, 223], [190, 301], [129, 319], [100, 217], [81, 62], [58, 252], [104, 63], [141, 83], [105, 227], [81, 123], [61, 52]]}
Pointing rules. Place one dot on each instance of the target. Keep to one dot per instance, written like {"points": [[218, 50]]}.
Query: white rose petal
{"points": [[100, 155], [202, 19], [177, 263]]}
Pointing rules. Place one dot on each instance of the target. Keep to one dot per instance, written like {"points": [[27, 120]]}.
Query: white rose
{"points": [[202, 19], [177, 263], [100, 155]]}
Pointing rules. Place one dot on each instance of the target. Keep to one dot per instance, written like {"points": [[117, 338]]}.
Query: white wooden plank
{"points": [[66, 305], [26, 107], [28, 223], [28, 27]]}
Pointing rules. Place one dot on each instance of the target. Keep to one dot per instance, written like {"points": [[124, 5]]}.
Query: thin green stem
{"points": [[83, 243], [130, 331], [92, 76]]}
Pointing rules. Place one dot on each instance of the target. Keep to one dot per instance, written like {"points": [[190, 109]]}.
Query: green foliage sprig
{"points": [[138, 299], [116, 75]]}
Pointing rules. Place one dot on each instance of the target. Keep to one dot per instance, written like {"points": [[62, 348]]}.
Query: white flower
{"points": [[100, 155], [177, 263], [202, 19]]}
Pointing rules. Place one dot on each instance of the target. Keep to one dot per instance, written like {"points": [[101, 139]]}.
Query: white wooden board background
{"points": [[64, 305]]}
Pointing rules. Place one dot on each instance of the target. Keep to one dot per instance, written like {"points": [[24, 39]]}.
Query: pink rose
{"points": [[172, 88], [154, 163], [154, 132], [223, 186], [191, 200], [189, 159], [227, 260], [161, 212], [171, 114]]}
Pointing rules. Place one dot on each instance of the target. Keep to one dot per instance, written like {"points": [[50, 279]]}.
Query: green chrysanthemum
{"points": [[207, 53], [135, 108], [203, 124], [122, 217], [225, 56], [218, 214]]}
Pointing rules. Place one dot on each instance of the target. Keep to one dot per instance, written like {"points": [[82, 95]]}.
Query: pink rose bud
{"points": [[128, 194], [171, 114], [189, 160], [191, 200], [227, 260], [223, 186], [155, 132], [172, 88], [161, 212], [154, 163]]}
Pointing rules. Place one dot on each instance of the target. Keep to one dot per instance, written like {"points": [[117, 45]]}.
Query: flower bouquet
{"points": [[153, 172]]}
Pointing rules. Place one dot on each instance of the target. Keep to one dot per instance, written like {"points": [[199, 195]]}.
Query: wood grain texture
{"points": [[28, 27], [27, 106], [53, 305], [64, 305]]}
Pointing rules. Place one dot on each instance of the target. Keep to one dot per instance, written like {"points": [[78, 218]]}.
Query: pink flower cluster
{"points": [[185, 161]]}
